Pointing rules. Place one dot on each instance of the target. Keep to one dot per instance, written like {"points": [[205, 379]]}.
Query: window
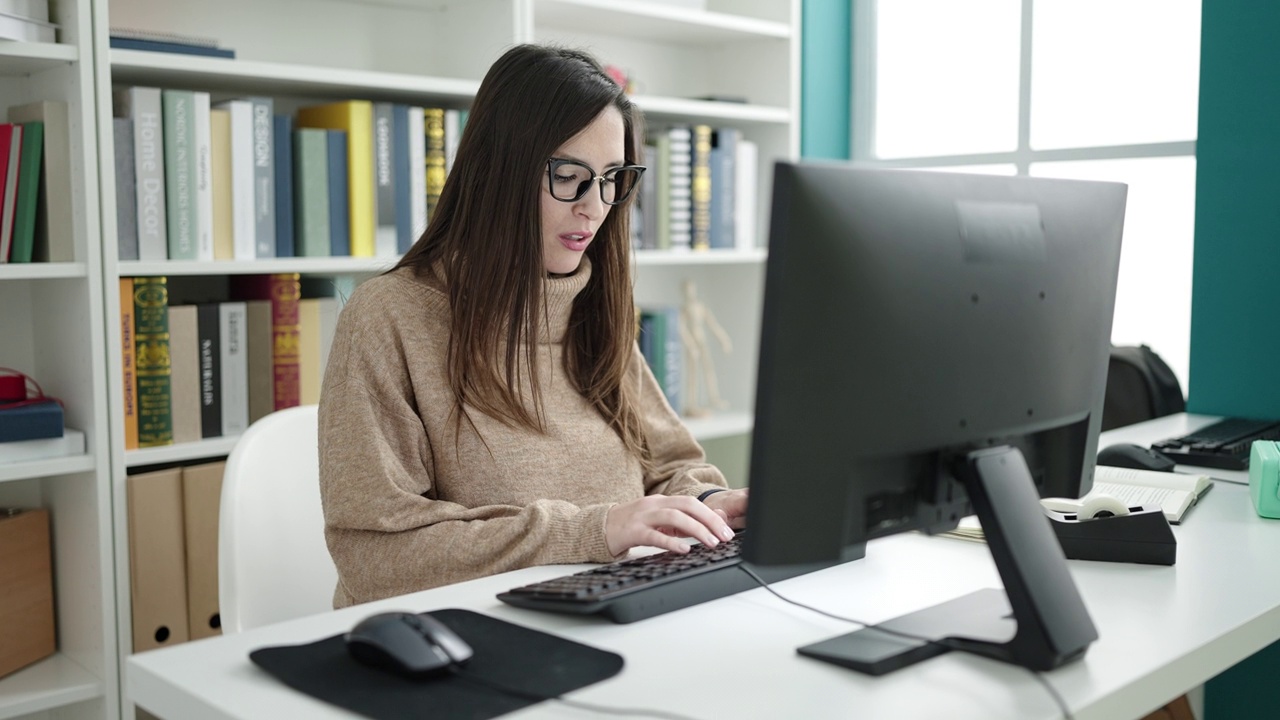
{"points": [[1087, 89]]}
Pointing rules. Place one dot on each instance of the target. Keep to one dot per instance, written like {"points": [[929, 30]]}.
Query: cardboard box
{"points": [[26, 604]]}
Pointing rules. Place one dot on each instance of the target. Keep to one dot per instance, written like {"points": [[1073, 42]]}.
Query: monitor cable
{"points": [[461, 673], [1053, 692]]}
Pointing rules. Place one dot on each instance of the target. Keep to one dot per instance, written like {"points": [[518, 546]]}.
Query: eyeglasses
{"points": [[569, 181]]}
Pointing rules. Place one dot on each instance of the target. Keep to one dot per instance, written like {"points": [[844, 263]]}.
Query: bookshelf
{"points": [[428, 54], [51, 329]]}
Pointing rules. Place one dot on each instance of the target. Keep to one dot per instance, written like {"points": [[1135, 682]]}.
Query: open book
{"points": [[1173, 492]]}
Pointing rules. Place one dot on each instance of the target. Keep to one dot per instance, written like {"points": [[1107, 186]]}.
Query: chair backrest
{"points": [[1140, 386], [273, 563]]}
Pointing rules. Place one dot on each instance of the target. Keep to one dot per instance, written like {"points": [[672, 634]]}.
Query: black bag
{"points": [[1140, 386]]}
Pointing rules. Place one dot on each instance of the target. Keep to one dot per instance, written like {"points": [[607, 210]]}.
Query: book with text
{"points": [[1175, 493]]}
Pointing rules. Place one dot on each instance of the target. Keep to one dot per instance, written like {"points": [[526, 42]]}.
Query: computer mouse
{"points": [[1138, 457], [407, 644]]}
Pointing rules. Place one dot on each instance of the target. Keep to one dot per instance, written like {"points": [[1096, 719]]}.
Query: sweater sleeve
{"points": [[385, 533], [680, 465]]}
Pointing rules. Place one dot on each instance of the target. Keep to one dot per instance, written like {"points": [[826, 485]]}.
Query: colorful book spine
{"points": [[680, 162], [180, 172], [151, 358], [55, 232], [284, 292], [356, 118], [10, 156], [129, 377], [701, 187], [24, 217], [433, 119]]}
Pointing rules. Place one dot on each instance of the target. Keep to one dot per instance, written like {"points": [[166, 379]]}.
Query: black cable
{"points": [[526, 695], [1053, 692]]}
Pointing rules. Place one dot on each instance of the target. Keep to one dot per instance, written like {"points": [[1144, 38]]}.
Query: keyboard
{"points": [[1224, 444], [640, 588]]}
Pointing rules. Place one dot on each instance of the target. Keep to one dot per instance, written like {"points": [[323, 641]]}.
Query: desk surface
{"points": [[1163, 630]]}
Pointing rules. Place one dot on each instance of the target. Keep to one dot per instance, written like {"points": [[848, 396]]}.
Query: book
{"points": [[261, 349], [209, 332], [340, 242], [204, 175], [242, 177], [724, 151], [180, 160], [700, 160], [71, 443], [403, 170], [29, 421], [55, 231], [221, 191], [151, 360], [433, 121], [264, 178], [417, 180], [745, 194], [384, 153], [356, 118], [24, 213], [142, 105], [10, 156], [128, 43], [233, 331], [126, 191], [282, 128], [311, 192], [184, 354], [1173, 492], [129, 371]]}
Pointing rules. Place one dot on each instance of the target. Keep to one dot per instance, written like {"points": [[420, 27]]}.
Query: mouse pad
{"points": [[506, 655]]}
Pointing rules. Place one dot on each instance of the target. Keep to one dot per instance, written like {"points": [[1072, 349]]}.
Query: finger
{"points": [[705, 515], [659, 539], [686, 525]]}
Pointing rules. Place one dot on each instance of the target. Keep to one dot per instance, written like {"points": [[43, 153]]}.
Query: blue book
{"points": [[282, 125], [30, 422], [400, 167], [122, 43], [339, 198]]}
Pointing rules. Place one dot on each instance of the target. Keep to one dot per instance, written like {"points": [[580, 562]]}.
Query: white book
{"points": [[452, 134], [418, 178], [71, 443], [204, 178], [233, 334], [243, 214], [1174, 493], [747, 195]]}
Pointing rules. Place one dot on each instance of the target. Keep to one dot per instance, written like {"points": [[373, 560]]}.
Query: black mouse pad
{"points": [[507, 656]]}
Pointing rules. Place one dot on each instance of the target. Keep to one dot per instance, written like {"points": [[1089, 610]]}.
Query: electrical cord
{"points": [[1053, 692], [605, 709]]}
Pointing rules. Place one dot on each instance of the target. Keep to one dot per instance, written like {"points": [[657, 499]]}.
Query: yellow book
{"points": [[220, 172], [356, 118], [309, 350]]}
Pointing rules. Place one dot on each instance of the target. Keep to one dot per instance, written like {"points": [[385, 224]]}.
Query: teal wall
{"points": [[1235, 306], [824, 82]]}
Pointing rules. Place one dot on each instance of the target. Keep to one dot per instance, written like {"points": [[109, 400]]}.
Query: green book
{"points": [[152, 365], [24, 213], [311, 191], [178, 107]]}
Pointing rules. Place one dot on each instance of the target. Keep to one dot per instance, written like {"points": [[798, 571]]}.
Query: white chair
{"points": [[273, 563]]}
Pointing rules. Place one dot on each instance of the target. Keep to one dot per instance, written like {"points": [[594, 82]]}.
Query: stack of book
{"points": [[31, 427], [36, 184], [26, 21]]}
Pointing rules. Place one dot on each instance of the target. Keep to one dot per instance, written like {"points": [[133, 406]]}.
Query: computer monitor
{"points": [[934, 345]]}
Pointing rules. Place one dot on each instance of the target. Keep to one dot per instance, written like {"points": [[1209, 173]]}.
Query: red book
{"points": [[283, 290]]}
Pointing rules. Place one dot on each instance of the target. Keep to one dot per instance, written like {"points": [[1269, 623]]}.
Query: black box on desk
{"points": [[26, 575]]}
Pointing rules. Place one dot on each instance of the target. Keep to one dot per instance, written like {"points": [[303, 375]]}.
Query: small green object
{"points": [[1264, 477]]}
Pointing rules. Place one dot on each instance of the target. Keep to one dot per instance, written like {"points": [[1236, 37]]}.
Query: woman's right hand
{"points": [[660, 521]]}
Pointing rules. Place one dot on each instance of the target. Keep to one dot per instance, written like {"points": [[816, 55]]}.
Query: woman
{"points": [[485, 405]]}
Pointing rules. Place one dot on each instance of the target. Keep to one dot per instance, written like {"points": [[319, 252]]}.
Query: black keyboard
{"points": [[1224, 444], [631, 590]]}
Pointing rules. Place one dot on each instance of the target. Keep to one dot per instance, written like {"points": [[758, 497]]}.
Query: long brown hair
{"points": [[486, 235]]}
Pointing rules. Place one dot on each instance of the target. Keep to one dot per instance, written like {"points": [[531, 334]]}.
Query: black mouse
{"points": [[1138, 457], [407, 644]]}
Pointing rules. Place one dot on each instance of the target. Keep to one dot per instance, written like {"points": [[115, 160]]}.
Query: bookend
{"points": [[1039, 621]]}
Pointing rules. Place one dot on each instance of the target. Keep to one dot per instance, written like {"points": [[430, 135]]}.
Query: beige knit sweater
{"points": [[408, 508]]}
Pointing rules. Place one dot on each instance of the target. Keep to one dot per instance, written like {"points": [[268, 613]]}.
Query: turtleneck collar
{"points": [[559, 293]]}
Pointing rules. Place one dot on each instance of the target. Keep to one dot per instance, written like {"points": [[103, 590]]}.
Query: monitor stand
{"points": [[1039, 621]]}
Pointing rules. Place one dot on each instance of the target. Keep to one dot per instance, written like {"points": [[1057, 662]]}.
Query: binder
{"points": [[157, 559], [201, 498]]}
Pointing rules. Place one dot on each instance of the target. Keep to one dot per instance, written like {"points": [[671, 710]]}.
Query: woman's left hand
{"points": [[732, 504]]}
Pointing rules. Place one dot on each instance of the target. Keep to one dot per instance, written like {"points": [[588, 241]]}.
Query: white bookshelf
{"points": [[430, 54], [51, 329]]}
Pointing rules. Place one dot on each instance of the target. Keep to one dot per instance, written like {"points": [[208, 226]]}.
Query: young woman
{"points": [[486, 406]]}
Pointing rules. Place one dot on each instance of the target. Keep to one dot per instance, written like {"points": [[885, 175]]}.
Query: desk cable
{"points": [[1062, 705], [603, 709]]}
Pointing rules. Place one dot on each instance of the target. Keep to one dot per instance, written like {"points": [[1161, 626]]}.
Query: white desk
{"points": [[1163, 630]]}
